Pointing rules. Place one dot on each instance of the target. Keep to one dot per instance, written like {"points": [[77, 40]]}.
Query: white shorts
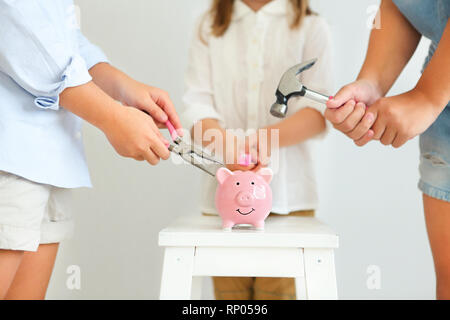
{"points": [[32, 213]]}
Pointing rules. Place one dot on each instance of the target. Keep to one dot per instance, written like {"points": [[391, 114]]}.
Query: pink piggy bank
{"points": [[243, 197]]}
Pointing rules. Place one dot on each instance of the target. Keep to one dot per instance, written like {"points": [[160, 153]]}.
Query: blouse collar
{"points": [[274, 7]]}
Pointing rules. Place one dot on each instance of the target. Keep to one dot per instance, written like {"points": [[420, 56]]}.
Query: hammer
{"points": [[291, 86]]}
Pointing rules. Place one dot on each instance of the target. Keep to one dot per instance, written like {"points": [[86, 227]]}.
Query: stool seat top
{"points": [[280, 231]]}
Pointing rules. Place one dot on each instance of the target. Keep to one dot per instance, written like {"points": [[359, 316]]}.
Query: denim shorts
{"points": [[435, 158]]}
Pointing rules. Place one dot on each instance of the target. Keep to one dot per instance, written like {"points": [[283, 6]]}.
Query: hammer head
{"points": [[289, 86]]}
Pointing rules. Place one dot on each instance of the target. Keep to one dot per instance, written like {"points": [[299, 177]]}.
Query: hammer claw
{"points": [[299, 68], [291, 86]]}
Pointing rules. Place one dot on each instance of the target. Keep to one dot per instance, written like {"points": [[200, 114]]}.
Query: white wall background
{"points": [[368, 195]]}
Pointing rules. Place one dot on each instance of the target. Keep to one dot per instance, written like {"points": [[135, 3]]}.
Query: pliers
{"points": [[192, 154]]}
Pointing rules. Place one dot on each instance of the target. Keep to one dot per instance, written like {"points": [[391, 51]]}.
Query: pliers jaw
{"points": [[195, 156], [192, 154]]}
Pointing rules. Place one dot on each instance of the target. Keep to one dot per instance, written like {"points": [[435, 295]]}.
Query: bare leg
{"points": [[437, 216], [32, 277], [9, 264]]}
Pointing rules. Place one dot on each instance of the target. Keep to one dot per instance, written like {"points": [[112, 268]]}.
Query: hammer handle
{"points": [[316, 96]]}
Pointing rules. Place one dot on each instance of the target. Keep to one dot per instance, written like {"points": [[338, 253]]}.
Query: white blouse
{"points": [[233, 78]]}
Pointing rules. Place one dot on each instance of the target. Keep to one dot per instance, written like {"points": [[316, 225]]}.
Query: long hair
{"points": [[222, 10]]}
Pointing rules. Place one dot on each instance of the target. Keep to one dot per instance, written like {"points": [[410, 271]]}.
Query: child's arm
{"points": [[301, 126], [130, 92], [201, 127], [390, 48], [397, 119], [403, 117], [123, 88], [387, 54], [130, 131]]}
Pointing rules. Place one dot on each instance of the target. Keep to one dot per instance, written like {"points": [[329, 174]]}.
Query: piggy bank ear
{"points": [[266, 174], [222, 174]]}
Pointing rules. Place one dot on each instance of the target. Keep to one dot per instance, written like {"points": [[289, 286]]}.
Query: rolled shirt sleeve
{"points": [[198, 97], [36, 57], [91, 53]]}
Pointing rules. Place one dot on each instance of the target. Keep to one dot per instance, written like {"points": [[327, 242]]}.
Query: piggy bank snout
{"points": [[245, 198]]}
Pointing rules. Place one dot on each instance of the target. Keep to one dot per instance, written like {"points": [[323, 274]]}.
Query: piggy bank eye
{"points": [[237, 183], [253, 182]]}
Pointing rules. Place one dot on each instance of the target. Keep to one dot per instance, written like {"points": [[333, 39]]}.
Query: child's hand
{"points": [[234, 150], [130, 131], [133, 134], [401, 118], [347, 110], [258, 146], [154, 101]]}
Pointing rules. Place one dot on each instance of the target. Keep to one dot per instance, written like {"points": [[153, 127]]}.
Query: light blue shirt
{"points": [[42, 52]]}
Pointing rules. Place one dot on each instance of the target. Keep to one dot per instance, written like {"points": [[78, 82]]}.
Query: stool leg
{"points": [[320, 274], [197, 283], [300, 288], [176, 279]]}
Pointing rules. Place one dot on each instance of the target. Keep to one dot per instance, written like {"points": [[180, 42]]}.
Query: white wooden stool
{"points": [[290, 246]]}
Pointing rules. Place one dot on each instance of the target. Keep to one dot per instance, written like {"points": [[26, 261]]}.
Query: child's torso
{"points": [[247, 64]]}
